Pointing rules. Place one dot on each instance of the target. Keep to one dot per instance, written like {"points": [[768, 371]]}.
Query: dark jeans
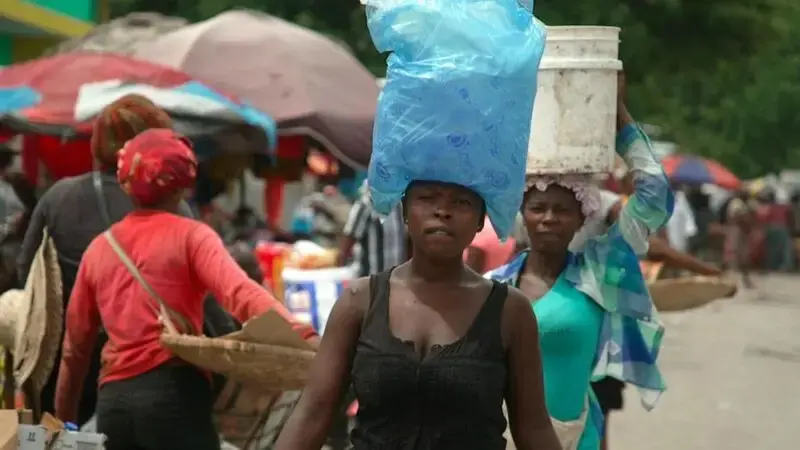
{"points": [[168, 408]]}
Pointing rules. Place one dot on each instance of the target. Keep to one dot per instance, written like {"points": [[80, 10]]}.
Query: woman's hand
{"points": [[623, 116]]}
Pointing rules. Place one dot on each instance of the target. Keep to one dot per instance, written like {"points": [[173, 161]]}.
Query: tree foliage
{"points": [[719, 77]]}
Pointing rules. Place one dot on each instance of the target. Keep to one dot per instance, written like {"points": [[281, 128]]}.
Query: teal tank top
{"points": [[569, 331]]}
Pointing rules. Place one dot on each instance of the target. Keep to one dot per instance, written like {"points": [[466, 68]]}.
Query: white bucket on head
{"points": [[573, 128]]}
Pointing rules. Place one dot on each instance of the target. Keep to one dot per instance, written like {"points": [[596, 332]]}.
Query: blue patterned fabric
{"points": [[607, 271], [458, 99]]}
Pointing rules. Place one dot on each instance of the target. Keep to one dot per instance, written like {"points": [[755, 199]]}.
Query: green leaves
{"points": [[718, 76]]}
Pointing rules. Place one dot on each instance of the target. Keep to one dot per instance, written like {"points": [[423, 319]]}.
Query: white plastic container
{"points": [[574, 117], [310, 294]]}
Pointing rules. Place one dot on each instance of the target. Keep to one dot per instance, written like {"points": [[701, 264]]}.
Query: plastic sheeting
{"points": [[458, 99]]}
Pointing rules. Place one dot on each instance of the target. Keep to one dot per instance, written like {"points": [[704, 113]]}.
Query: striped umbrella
{"points": [[53, 101], [694, 170]]}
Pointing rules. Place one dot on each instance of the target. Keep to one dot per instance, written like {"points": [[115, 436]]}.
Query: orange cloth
{"points": [[182, 259]]}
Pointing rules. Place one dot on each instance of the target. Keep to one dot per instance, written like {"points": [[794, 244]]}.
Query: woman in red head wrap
{"points": [[149, 399], [75, 210]]}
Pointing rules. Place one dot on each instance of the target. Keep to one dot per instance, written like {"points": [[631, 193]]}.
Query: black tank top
{"points": [[451, 400]]}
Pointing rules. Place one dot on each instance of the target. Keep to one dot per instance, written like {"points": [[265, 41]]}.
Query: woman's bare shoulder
{"points": [[516, 300], [356, 296]]}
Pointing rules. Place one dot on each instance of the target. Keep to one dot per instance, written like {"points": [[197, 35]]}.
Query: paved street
{"points": [[733, 370]]}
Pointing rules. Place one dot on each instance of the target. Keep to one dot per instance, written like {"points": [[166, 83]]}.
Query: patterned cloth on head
{"points": [[121, 121], [607, 270], [155, 164]]}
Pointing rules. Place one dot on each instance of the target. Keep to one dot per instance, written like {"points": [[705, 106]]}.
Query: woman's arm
{"points": [[529, 420], [651, 204], [353, 230], [329, 375], [660, 250], [82, 326], [237, 293]]}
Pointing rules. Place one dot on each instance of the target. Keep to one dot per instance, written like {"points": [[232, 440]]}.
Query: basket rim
{"points": [[188, 341]]}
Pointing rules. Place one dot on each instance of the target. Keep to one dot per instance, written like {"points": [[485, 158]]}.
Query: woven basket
{"points": [[266, 354], [270, 367], [681, 294]]}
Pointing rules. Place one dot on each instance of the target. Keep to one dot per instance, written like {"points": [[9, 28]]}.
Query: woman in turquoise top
{"points": [[595, 315]]}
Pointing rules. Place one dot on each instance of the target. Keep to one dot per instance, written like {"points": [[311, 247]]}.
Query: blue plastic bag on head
{"points": [[458, 98]]}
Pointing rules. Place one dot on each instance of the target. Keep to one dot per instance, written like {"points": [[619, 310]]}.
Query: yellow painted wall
{"points": [[45, 19], [53, 17]]}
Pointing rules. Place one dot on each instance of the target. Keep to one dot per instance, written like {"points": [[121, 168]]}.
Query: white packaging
{"points": [[574, 116], [34, 437], [310, 294]]}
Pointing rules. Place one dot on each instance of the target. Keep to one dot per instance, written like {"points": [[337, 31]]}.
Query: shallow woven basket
{"points": [[269, 367], [681, 294]]}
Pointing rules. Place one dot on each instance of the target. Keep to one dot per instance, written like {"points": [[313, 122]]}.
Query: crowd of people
{"points": [[457, 333], [128, 245]]}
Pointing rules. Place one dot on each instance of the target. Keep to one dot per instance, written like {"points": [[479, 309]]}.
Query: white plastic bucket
{"points": [[310, 294], [574, 117]]}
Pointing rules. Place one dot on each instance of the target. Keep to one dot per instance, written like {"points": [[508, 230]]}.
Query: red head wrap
{"points": [[155, 164]]}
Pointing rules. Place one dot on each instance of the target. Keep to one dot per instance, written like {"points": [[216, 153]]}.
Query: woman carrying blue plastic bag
{"points": [[432, 348]]}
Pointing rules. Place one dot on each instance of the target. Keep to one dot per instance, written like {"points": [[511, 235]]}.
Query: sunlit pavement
{"points": [[733, 371]]}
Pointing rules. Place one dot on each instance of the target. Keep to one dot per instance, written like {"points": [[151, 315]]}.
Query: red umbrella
{"points": [[62, 82], [690, 169]]}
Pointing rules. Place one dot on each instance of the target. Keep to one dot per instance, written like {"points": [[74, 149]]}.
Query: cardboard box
{"points": [[10, 421]]}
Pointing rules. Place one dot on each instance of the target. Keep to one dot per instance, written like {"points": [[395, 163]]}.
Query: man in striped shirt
{"points": [[381, 241]]}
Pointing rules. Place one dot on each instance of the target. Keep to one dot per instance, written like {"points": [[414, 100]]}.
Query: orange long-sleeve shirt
{"points": [[183, 260]]}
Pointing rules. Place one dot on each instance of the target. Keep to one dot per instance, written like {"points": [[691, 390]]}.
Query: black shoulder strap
{"points": [[495, 303], [378, 291], [97, 180]]}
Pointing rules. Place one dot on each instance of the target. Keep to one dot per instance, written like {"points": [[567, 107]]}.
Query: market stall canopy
{"points": [[308, 83], [72, 88]]}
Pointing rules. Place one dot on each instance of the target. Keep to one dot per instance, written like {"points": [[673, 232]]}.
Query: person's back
{"points": [[160, 245], [73, 213]]}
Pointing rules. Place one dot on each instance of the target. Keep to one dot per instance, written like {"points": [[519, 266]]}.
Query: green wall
{"points": [[6, 49], [79, 9]]}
